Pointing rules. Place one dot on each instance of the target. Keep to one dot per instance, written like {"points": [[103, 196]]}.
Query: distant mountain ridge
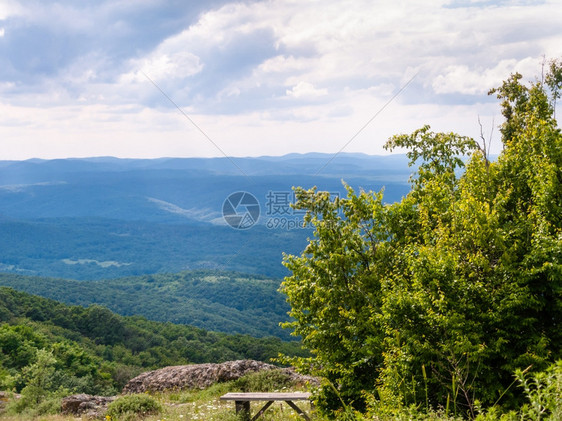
{"points": [[305, 164]]}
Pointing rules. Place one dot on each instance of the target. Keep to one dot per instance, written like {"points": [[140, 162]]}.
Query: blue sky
{"points": [[257, 77]]}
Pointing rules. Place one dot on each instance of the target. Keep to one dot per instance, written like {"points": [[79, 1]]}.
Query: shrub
{"points": [[542, 391], [133, 406]]}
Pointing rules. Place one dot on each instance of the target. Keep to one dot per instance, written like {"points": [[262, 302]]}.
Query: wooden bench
{"points": [[242, 402]]}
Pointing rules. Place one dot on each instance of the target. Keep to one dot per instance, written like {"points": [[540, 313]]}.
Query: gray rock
{"points": [[88, 405]]}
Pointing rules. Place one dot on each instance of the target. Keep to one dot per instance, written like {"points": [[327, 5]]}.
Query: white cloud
{"points": [[9, 8], [6, 86], [460, 79], [2, 32], [305, 90], [160, 65], [280, 64]]}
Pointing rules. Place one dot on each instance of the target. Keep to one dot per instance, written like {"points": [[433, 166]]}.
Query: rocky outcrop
{"points": [[196, 376], [200, 376], [86, 405]]}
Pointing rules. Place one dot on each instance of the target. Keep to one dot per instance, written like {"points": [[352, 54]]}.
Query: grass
{"points": [[543, 391], [188, 406], [191, 405]]}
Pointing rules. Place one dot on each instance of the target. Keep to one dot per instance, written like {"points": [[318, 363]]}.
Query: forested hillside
{"points": [[93, 350], [218, 301]]}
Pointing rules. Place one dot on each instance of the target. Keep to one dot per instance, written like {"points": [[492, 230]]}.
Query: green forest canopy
{"points": [[440, 297], [212, 300]]}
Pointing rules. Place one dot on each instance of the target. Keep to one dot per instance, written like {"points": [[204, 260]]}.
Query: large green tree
{"points": [[441, 296]]}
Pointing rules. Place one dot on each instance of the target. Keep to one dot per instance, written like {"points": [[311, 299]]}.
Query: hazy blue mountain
{"points": [[104, 217]]}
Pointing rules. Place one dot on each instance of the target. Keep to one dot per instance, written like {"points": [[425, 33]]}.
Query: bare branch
{"points": [[484, 148]]}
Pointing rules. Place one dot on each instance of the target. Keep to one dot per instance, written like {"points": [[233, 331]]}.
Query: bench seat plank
{"points": [[266, 396]]}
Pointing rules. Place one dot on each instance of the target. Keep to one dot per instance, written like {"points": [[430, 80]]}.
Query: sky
{"points": [[147, 79]]}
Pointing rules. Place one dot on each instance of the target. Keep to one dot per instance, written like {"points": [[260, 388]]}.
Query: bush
{"points": [[31, 405], [542, 390], [133, 406]]}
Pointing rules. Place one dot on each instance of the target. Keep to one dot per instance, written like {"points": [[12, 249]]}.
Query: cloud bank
{"points": [[258, 77]]}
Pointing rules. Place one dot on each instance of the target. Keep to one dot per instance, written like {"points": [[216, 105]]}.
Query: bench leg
{"points": [[261, 411], [243, 407], [298, 410]]}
